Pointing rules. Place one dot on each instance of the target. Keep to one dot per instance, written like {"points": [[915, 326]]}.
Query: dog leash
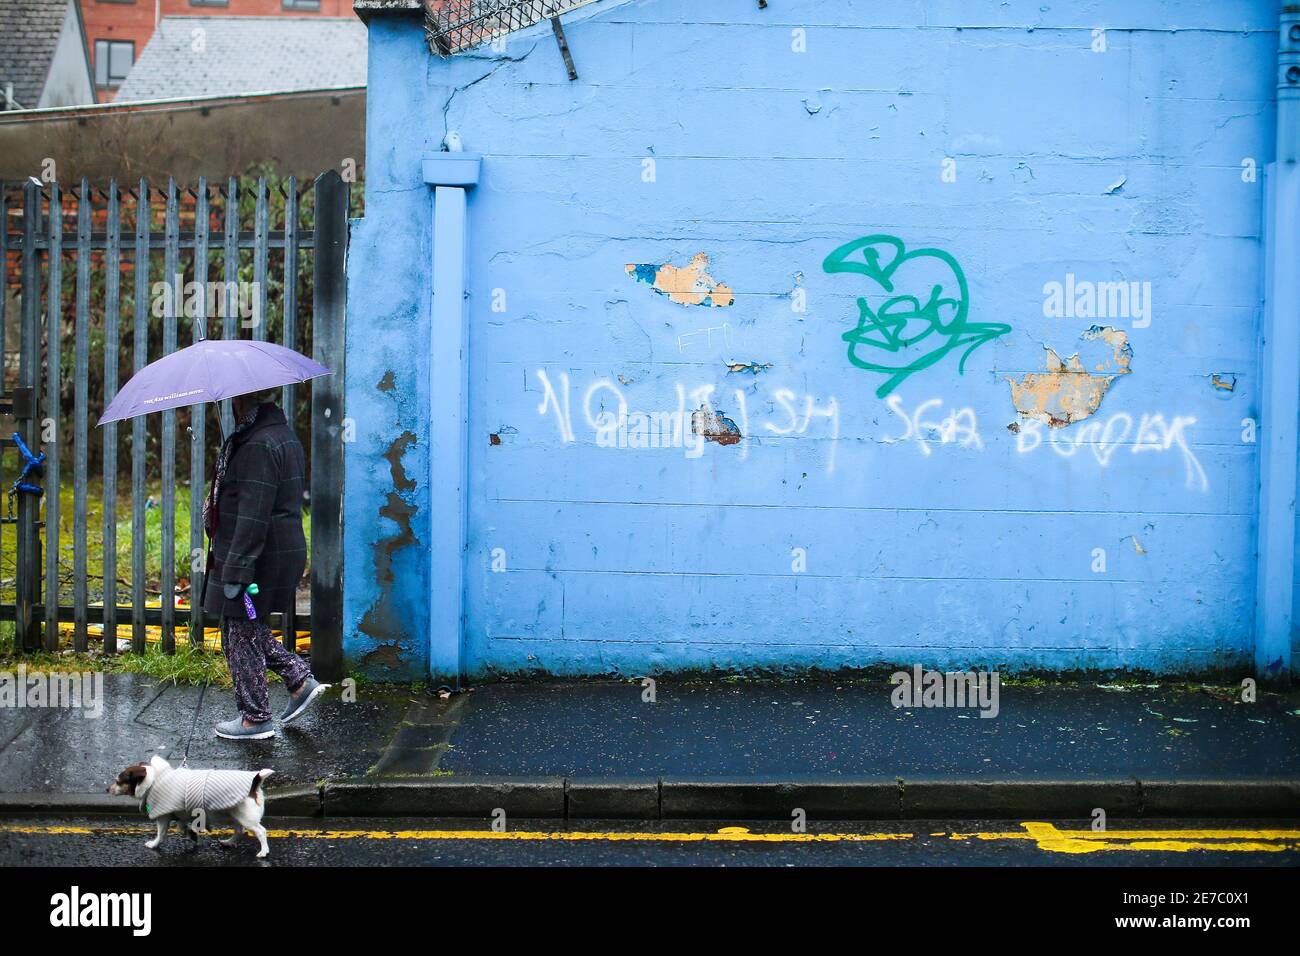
{"points": [[198, 708]]}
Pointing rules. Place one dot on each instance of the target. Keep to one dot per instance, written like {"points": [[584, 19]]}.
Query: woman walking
{"points": [[253, 516]]}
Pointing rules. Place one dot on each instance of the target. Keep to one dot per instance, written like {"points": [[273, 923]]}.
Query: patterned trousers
{"points": [[250, 649]]}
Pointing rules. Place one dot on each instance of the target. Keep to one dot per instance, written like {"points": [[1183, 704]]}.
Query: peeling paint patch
{"points": [[689, 285], [384, 656], [394, 458], [753, 368], [1225, 382], [714, 426], [1137, 545], [388, 382], [381, 620], [494, 439], [1067, 392]]}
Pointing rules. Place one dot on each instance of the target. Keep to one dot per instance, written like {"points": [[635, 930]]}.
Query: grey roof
{"points": [[29, 33], [247, 55]]}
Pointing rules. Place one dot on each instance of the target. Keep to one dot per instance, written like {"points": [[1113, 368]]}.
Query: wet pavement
{"points": [[118, 842], [731, 728], [749, 728], [64, 751]]}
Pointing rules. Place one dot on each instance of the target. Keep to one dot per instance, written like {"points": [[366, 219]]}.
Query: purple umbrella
{"points": [[209, 371]]}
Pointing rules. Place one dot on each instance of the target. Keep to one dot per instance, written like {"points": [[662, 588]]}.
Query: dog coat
{"points": [[181, 791]]}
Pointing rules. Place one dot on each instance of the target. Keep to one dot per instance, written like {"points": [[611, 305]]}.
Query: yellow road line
{"points": [[1050, 838], [1045, 836], [725, 835], [1031, 828], [1126, 834]]}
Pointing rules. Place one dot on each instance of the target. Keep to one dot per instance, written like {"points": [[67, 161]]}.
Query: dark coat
{"points": [[259, 519]]}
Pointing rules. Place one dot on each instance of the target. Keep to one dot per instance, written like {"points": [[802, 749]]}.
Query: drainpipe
{"points": [[452, 175], [1280, 366]]}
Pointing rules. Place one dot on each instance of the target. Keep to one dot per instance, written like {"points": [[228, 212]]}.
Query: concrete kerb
{"points": [[736, 798]]}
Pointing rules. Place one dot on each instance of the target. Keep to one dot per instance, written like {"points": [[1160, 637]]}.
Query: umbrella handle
{"points": [[248, 601]]}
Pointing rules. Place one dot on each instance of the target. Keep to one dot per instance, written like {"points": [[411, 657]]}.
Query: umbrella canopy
{"points": [[209, 371]]}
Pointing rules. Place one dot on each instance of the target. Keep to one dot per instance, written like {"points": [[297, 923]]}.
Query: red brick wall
{"points": [[134, 21]]}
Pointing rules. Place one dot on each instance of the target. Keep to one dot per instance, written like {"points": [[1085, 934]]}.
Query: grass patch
{"points": [[188, 666]]}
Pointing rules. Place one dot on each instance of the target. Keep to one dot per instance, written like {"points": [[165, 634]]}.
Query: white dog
{"points": [[193, 797]]}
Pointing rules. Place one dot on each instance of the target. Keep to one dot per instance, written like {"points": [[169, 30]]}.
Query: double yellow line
{"points": [[1046, 836], [1054, 840]]}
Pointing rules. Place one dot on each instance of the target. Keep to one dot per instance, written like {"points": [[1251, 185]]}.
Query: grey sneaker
{"points": [[299, 702], [235, 730]]}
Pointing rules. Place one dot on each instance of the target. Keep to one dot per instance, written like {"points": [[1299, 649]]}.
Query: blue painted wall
{"points": [[929, 530]]}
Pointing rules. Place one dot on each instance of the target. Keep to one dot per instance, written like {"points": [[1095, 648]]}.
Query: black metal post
{"points": [[327, 429], [28, 572]]}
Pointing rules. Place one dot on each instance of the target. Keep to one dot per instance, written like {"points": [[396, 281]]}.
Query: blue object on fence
{"points": [[248, 601], [34, 464]]}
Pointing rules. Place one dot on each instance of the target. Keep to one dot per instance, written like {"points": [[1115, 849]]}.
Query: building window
{"points": [[301, 5], [209, 3], [113, 59]]}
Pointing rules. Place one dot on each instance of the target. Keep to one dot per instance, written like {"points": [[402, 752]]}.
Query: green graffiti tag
{"points": [[907, 333]]}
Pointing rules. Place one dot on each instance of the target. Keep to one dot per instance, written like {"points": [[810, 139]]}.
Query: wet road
{"points": [[104, 841]]}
